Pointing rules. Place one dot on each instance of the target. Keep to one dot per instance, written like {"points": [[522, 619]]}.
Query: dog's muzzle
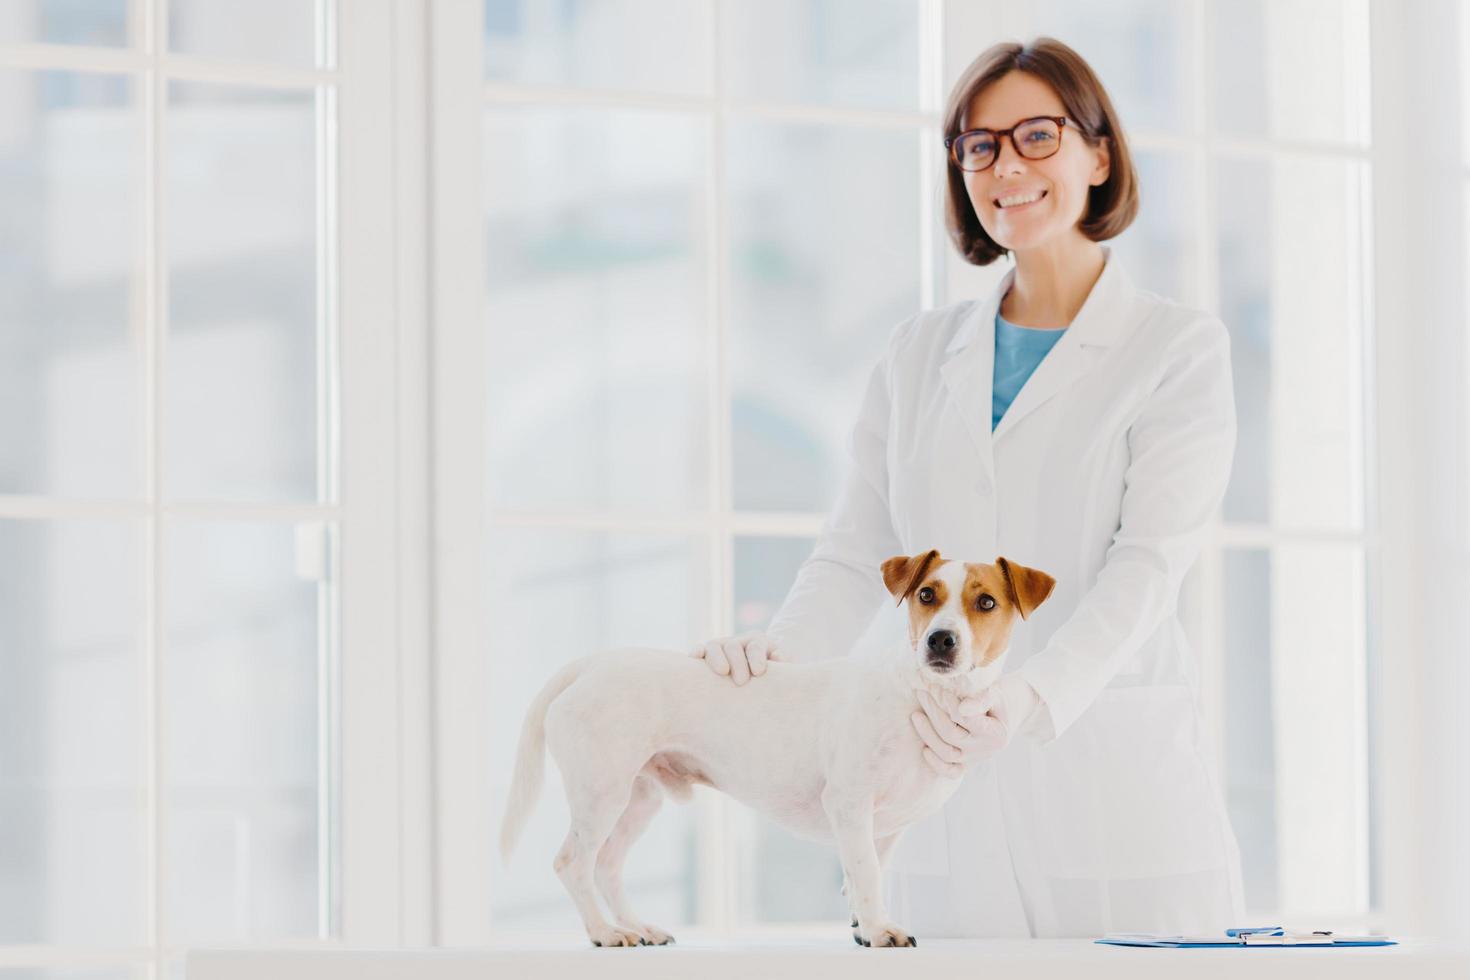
{"points": [[942, 647]]}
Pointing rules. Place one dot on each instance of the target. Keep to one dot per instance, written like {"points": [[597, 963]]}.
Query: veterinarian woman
{"points": [[1079, 425]]}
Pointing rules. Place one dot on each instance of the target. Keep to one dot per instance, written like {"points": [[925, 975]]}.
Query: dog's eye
{"points": [[985, 602], [926, 595]]}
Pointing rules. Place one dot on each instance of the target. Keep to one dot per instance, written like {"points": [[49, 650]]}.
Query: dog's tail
{"points": [[525, 784]]}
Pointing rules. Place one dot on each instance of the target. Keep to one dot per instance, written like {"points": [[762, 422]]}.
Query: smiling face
{"points": [[1061, 179], [961, 613]]}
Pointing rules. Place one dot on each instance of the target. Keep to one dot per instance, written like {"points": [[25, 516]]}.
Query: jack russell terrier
{"points": [[826, 749]]}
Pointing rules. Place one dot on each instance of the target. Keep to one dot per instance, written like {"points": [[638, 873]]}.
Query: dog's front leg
{"points": [[884, 847], [851, 816]]}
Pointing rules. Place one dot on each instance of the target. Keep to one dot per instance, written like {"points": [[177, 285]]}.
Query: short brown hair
{"points": [[1111, 206]]}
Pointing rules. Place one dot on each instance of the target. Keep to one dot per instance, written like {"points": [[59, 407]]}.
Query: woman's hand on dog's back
{"points": [[738, 657]]}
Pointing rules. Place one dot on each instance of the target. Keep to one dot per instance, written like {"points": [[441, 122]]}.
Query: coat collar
{"points": [[968, 368]]}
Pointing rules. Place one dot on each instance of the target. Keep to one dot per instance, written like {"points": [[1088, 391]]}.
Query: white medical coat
{"points": [[1105, 814]]}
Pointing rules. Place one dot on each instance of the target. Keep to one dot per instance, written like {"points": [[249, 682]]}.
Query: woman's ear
{"points": [[1103, 162]]}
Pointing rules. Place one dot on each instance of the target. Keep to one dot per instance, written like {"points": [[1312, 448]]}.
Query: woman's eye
{"points": [[926, 595], [986, 602]]}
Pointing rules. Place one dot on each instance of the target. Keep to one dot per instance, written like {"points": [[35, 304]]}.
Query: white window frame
{"points": [[372, 301], [463, 825], [387, 678]]}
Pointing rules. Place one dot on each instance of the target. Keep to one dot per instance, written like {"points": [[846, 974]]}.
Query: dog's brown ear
{"points": [[903, 574], [1028, 587]]}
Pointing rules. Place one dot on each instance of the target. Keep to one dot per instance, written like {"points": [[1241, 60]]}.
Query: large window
{"points": [[690, 267], [172, 510]]}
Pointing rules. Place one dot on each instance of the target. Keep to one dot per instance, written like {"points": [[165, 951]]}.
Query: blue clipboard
{"points": [[1262, 937]]}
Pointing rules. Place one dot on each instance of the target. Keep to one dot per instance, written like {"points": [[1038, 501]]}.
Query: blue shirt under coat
{"points": [[1017, 352]]}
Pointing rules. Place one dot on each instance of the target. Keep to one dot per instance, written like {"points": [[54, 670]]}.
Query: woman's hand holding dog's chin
{"points": [[738, 657], [961, 731]]}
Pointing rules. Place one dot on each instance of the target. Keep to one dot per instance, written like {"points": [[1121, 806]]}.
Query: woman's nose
{"points": [[1006, 157]]}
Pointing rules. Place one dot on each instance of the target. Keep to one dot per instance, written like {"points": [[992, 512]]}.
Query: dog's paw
{"points": [[613, 936], [654, 936], [890, 935], [647, 935]]}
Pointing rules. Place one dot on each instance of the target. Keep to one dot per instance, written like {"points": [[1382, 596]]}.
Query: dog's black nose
{"points": [[942, 643]]}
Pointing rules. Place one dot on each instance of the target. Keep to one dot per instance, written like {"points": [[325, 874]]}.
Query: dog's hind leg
{"points": [[642, 806], [595, 805]]}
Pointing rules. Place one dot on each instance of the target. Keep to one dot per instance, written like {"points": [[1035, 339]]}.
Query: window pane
{"points": [[596, 309], [824, 263], [765, 569], [69, 367], [1245, 305], [1150, 92], [241, 360], [281, 31], [643, 45], [1292, 71], [1296, 759], [556, 595], [1293, 294], [1161, 247], [72, 826], [1250, 722], [98, 22], [855, 53], [242, 676]]}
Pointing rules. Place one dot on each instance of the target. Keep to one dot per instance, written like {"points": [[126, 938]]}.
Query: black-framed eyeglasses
{"points": [[1035, 139]]}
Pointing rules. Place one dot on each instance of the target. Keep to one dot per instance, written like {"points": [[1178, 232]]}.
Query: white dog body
{"points": [[801, 727], [826, 749]]}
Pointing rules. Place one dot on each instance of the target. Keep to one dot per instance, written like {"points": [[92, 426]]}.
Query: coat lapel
{"points": [[969, 366], [969, 371]]}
